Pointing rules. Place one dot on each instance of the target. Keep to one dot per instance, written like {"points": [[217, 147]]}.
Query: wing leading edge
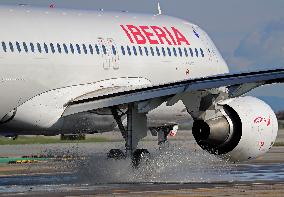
{"points": [[237, 84]]}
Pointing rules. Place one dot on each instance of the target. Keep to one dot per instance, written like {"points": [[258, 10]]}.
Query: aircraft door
{"points": [[109, 53]]}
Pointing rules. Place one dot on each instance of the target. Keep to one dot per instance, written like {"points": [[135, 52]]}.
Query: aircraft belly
{"points": [[43, 113], [88, 123]]}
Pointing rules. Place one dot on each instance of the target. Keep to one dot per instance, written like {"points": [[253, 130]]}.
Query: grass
{"points": [[281, 124], [48, 140], [278, 144]]}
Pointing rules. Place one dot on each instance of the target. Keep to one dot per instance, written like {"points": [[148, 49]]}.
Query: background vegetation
{"points": [[280, 116]]}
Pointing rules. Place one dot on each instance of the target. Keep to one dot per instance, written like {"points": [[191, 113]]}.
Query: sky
{"points": [[248, 33]]}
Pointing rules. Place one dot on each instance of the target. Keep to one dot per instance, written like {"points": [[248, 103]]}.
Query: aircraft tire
{"points": [[116, 154], [140, 155]]}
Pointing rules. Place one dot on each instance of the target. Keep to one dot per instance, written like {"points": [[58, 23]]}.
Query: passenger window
{"points": [[113, 50], [152, 51], [146, 51], [180, 51], [163, 51], [4, 47], [202, 53], [18, 47], [158, 51], [78, 48], [39, 47], [32, 47], [129, 50], [191, 52], [65, 48], [185, 52], [72, 48], [85, 49], [104, 49], [169, 52], [91, 49], [122, 50], [52, 48], [11, 46], [175, 51], [134, 50], [196, 52], [25, 47], [59, 48], [45, 48], [140, 50], [97, 49]]}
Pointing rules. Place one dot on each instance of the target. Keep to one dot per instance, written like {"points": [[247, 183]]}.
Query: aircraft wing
{"points": [[237, 84]]}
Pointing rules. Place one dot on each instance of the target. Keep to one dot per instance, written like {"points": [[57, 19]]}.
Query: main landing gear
{"points": [[136, 130]]}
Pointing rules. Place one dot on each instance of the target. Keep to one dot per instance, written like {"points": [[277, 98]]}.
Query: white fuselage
{"points": [[50, 56]]}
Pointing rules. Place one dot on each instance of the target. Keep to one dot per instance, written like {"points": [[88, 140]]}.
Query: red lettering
{"points": [[171, 36], [258, 120], [179, 36], [127, 33], [154, 35], [138, 36], [149, 35], [261, 144], [268, 122], [161, 35]]}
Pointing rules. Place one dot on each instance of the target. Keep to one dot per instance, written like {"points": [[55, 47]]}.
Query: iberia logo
{"points": [[262, 120], [154, 35]]}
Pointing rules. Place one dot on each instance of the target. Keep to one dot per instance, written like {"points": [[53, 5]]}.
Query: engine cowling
{"points": [[247, 129]]}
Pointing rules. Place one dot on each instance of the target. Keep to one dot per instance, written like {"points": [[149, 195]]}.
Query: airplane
{"points": [[66, 71]]}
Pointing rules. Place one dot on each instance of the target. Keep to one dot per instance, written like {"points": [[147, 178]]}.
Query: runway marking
{"points": [[204, 189], [174, 195], [257, 183], [120, 191], [136, 192]]}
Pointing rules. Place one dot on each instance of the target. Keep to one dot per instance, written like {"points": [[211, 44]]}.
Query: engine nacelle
{"points": [[247, 129]]}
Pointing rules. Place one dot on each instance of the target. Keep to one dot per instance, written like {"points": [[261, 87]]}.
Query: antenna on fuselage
{"points": [[159, 9]]}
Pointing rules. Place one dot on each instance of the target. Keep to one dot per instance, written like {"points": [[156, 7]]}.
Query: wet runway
{"points": [[181, 170], [238, 174]]}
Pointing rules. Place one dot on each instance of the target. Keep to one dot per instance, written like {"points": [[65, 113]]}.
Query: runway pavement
{"points": [[182, 170]]}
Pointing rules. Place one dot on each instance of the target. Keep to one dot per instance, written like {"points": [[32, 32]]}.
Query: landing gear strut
{"points": [[163, 133], [136, 130], [163, 136]]}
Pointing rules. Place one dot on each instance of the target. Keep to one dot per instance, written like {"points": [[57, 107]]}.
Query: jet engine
{"points": [[246, 130]]}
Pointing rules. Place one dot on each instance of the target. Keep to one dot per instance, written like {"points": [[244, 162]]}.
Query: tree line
{"points": [[280, 115]]}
